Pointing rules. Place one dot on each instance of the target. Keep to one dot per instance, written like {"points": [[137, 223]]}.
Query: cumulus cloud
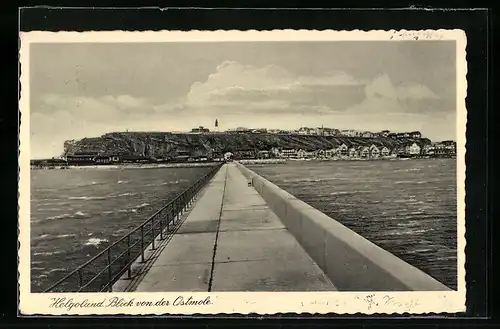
{"points": [[242, 88]]}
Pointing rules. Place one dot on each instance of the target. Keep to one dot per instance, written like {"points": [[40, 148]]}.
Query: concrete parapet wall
{"points": [[352, 262]]}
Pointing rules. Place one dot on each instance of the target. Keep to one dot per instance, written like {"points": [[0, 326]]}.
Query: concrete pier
{"points": [[232, 241]]}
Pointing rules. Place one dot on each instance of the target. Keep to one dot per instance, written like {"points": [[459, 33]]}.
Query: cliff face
{"points": [[162, 145]]}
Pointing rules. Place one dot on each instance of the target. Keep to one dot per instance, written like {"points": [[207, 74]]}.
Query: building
{"points": [[415, 134], [385, 151], [397, 150], [374, 151], [200, 130], [330, 153], [412, 149], [428, 149], [342, 150], [364, 152], [384, 133], [245, 154], [274, 152], [301, 154], [321, 153], [107, 159], [367, 134], [353, 152], [263, 154], [305, 131], [80, 159], [228, 156], [311, 154], [348, 133], [288, 153]]}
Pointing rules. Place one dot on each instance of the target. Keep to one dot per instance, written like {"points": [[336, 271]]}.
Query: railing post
{"points": [[80, 279], [175, 210], [153, 233], [168, 220], [110, 274], [142, 244], [161, 225], [129, 271]]}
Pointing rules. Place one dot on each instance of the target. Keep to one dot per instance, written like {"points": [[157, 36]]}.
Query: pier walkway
{"points": [[232, 241]]}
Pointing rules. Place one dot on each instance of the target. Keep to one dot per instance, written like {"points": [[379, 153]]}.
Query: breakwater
{"points": [[406, 207], [352, 262]]}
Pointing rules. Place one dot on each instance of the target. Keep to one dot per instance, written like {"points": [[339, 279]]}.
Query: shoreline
{"points": [[124, 166], [129, 166]]}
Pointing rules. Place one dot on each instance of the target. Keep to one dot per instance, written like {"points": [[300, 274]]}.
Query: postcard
{"points": [[237, 172]]}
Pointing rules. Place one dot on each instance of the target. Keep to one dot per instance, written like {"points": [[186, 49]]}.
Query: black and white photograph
{"points": [[197, 167]]}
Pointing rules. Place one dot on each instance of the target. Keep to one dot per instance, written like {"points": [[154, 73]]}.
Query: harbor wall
{"points": [[352, 262]]}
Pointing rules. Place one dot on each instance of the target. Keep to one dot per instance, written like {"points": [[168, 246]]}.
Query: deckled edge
{"points": [[402, 34]]}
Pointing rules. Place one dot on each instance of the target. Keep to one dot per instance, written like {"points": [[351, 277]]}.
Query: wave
{"points": [[87, 197], [407, 170], [78, 214], [122, 182], [65, 236], [46, 253], [109, 196], [126, 194], [55, 270], [349, 192], [128, 210], [59, 216], [40, 237], [95, 241]]}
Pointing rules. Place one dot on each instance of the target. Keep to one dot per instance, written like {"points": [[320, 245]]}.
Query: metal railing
{"points": [[104, 269]]}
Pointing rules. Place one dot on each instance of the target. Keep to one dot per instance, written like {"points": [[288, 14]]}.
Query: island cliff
{"points": [[166, 145]]}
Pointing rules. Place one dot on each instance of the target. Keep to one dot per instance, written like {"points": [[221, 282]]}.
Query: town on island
{"points": [[245, 144]]}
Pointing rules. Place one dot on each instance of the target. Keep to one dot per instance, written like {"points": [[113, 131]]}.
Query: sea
{"points": [[76, 213], [407, 207]]}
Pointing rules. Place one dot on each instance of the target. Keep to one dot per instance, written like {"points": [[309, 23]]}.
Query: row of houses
{"points": [[344, 151], [318, 131]]}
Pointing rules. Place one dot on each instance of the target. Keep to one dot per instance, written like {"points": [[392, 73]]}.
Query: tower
{"points": [[216, 125]]}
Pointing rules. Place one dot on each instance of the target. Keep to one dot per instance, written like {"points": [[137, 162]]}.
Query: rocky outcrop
{"points": [[164, 145]]}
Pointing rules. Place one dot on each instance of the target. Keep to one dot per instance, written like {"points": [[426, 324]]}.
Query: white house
{"points": [[385, 151], [330, 153], [288, 153], [275, 152], [374, 151], [301, 154], [310, 154], [413, 149], [353, 152], [342, 149], [364, 152]]}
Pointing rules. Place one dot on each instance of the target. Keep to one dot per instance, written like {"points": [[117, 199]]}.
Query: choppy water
{"points": [[76, 213], [406, 207]]}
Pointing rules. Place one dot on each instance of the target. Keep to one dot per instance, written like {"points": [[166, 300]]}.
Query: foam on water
{"points": [[95, 241]]}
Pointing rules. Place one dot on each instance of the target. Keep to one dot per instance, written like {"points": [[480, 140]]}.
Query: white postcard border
{"points": [[237, 302]]}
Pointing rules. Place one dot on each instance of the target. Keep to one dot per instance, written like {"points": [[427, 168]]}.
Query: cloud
{"points": [[241, 88], [242, 95]]}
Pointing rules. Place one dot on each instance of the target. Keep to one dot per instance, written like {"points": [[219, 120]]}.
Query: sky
{"points": [[88, 89]]}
